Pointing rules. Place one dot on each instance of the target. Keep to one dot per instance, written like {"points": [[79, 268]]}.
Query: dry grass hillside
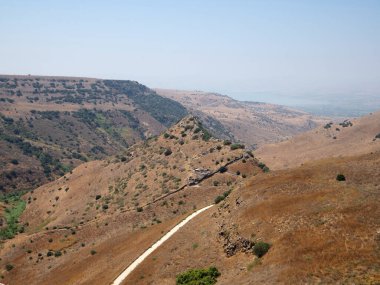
{"points": [[253, 123], [346, 138], [49, 125], [85, 227], [321, 231]]}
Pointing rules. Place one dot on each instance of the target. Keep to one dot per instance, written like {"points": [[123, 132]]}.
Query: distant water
{"points": [[322, 105]]}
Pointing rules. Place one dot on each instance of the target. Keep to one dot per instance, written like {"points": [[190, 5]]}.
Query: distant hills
{"points": [[254, 123], [301, 211], [49, 125], [341, 138]]}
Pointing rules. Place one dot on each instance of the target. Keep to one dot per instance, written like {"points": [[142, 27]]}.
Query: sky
{"points": [[287, 52]]}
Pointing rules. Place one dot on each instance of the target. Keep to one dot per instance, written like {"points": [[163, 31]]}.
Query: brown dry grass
{"points": [[322, 231], [323, 143]]}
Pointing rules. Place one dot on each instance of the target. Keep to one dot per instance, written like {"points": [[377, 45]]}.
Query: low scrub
{"points": [[220, 198], [14, 209], [237, 146], [261, 248], [198, 277], [340, 177]]}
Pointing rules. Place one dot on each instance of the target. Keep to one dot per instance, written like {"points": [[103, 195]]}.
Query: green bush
{"points": [[9, 267], [237, 146], [198, 277], [261, 248], [14, 209], [218, 199], [340, 177]]}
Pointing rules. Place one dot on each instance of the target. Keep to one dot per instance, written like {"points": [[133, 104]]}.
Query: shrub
{"points": [[377, 136], [97, 197], [237, 146], [340, 177], [93, 252], [227, 142], [9, 267], [223, 169], [218, 199], [198, 277], [139, 209], [168, 152], [105, 207], [261, 248], [57, 253]]}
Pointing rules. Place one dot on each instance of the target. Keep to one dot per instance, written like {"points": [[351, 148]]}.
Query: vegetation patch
{"points": [[15, 207], [340, 177], [220, 198], [237, 146], [198, 277], [261, 248]]}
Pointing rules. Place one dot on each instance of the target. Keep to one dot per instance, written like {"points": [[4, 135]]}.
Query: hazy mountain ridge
{"points": [[254, 123]]}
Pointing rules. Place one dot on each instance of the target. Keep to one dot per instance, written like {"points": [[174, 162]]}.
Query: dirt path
{"points": [[141, 258]]}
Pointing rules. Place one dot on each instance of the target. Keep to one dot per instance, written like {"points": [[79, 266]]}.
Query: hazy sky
{"points": [[278, 50]]}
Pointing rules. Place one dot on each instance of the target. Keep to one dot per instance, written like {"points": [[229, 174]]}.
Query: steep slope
{"points": [[48, 125], [346, 138], [253, 123], [106, 213], [321, 231]]}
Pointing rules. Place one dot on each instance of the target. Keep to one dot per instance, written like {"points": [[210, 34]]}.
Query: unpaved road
{"points": [[141, 258]]}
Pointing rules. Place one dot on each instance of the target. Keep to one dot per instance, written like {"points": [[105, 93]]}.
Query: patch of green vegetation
{"points": [[261, 248], [237, 146], [164, 110], [253, 264], [198, 277], [340, 177], [263, 167], [14, 208], [48, 163], [102, 121], [220, 198]]}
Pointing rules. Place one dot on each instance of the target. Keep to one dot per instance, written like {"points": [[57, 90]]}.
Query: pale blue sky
{"points": [[269, 50]]}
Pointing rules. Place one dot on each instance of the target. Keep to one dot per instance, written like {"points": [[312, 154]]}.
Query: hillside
{"points": [[320, 230], [345, 138], [49, 125], [253, 123], [105, 213]]}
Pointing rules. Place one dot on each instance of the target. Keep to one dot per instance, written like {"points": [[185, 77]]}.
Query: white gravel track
{"points": [[143, 256]]}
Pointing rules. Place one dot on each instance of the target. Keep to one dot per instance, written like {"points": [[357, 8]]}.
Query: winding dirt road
{"points": [[142, 257]]}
